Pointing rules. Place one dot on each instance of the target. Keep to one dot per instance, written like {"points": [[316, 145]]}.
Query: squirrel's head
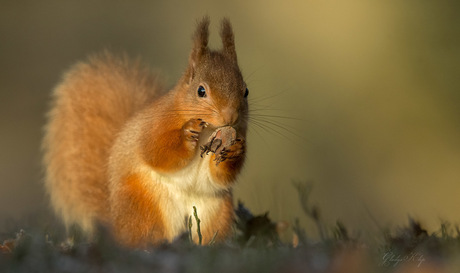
{"points": [[213, 81]]}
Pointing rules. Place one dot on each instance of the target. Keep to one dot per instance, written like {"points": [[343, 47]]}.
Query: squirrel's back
{"points": [[90, 105]]}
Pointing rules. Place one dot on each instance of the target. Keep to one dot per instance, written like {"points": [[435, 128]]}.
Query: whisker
{"points": [[253, 129], [260, 126], [185, 112], [284, 127], [287, 127], [272, 130], [248, 76], [277, 116], [212, 106], [264, 98], [257, 107], [272, 127]]}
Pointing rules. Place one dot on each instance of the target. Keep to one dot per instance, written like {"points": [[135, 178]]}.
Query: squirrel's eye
{"points": [[201, 92], [246, 93]]}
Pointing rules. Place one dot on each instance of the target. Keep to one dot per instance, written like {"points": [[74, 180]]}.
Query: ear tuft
{"points": [[200, 38], [228, 40], [200, 46]]}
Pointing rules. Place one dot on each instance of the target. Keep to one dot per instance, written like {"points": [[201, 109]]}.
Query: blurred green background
{"points": [[373, 87]]}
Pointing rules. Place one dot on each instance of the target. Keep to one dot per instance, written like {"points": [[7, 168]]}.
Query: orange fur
{"points": [[226, 172], [221, 223], [167, 140], [86, 114], [137, 212], [121, 151]]}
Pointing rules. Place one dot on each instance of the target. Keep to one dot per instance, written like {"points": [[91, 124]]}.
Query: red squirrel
{"points": [[122, 151]]}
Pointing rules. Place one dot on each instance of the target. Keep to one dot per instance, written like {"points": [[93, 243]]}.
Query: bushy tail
{"points": [[89, 107]]}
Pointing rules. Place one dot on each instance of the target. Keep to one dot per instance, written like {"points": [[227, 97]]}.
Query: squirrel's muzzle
{"points": [[229, 115]]}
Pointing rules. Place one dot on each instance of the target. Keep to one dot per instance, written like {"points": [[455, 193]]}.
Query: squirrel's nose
{"points": [[229, 115]]}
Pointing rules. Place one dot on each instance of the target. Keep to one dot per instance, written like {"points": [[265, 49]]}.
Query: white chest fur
{"points": [[189, 187]]}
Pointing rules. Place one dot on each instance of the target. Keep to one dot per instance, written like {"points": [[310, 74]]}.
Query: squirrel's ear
{"points": [[228, 40], [200, 39], [200, 45]]}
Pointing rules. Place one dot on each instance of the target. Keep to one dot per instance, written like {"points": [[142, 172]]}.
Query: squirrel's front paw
{"points": [[236, 150], [192, 130], [225, 145]]}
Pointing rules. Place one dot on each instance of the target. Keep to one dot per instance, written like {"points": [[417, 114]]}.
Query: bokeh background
{"points": [[370, 88]]}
